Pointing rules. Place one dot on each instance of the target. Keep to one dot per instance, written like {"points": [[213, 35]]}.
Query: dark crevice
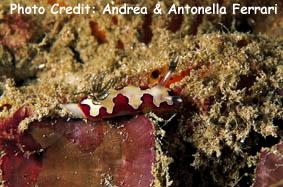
{"points": [[280, 91], [181, 170], [196, 23], [246, 81], [145, 33], [48, 43], [255, 141], [77, 55], [203, 177], [21, 78], [278, 122], [246, 179], [242, 43], [5, 106], [24, 81], [10, 55], [40, 37], [224, 25], [175, 22], [244, 24]]}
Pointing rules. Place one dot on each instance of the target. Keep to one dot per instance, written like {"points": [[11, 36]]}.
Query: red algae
{"points": [[19, 166], [139, 136], [97, 32], [15, 31], [62, 152], [269, 170], [20, 170]]}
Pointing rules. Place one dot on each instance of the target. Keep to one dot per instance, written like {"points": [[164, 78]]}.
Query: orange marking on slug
{"points": [[178, 77]]}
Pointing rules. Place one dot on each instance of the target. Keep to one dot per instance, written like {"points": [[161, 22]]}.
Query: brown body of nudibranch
{"points": [[129, 100]]}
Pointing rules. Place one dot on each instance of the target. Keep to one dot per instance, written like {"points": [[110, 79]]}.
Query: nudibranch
{"points": [[108, 102]]}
